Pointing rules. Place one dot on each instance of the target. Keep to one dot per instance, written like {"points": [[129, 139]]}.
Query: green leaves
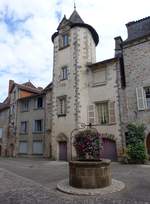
{"points": [[135, 143]]}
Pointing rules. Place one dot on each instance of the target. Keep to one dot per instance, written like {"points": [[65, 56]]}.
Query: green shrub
{"points": [[135, 143], [135, 133], [136, 152]]}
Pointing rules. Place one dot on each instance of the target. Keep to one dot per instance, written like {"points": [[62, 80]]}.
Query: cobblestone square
{"points": [[33, 181]]}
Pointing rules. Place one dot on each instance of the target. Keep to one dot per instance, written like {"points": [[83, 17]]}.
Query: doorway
{"points": [[63, 151]]}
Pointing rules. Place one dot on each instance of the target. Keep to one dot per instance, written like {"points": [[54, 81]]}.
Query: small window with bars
{"points": [[64, 73]]}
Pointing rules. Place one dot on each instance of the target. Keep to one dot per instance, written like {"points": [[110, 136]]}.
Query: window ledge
{"points": [[38, 132], [23, 133], [99, 84], [106, 124], [64, 79], [61, 48], [61, 115], [22, 111], [39, 108]]}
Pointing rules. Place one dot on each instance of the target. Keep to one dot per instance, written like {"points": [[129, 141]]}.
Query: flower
{"points": [[88, 144]]}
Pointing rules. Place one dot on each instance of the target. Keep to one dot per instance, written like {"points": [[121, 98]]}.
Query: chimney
{"points": [[11, 82], [118, 46]]}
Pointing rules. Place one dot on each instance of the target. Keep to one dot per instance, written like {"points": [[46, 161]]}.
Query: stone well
{"points": [[90, 174]]}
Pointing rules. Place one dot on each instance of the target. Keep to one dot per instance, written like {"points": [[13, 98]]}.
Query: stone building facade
{"points": [[4, 118], [135, 95], [27, 121], [107, 94], [83, 91]]}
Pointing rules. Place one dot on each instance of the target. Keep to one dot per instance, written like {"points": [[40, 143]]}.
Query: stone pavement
{"points": [[24, 181]]}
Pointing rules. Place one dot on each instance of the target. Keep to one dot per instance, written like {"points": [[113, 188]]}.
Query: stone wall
{"points": [[76, 56], [137, 71], [4, 118]]}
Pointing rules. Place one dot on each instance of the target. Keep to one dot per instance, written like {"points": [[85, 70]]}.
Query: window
{"points": [[143, 98], [24, 105], [64, 73], [14, 95], [1, 132], [38, 126], [99, 76], [24, 127], [63, 41], [37, 147], [39, 102], [147, 94], [23, 147], [61, 106], [103, 113]]}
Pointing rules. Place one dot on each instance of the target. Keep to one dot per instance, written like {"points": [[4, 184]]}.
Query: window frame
{"points": [[106, 116], [24, 105], [62, 106], [25, 142], [36, 128], [26, 127], [37, 106], [147, 106], [33, 147], [63, 40], [64, 71], [1, 132]]}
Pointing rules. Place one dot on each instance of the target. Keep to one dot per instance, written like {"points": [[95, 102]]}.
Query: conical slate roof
{"points": [[75, 18], [76, 21]]}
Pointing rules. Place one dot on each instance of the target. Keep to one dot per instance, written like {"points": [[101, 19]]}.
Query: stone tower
{"points": [[74, 48]]}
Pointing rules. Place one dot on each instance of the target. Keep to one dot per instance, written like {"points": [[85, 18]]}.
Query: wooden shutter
{"points": [[141, 98], [111, 108], [37, 147], [23, 147], [91, 113]]}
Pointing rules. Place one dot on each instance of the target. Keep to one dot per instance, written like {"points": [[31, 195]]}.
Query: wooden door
{"points": [[109, 149], [63, 151]]}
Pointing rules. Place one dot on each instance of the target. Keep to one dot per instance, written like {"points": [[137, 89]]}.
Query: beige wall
{"points": [[30, 116], [106, 91]]}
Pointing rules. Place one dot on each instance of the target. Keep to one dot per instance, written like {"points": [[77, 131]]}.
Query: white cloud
{"points": [[27, 53]]}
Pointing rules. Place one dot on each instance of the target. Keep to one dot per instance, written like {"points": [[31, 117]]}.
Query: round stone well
{"points": [[90, 174]]}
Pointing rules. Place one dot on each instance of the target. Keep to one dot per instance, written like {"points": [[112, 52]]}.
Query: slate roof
{"points": [[138, 29], [49, 86], [76, 21], [3, 106], [75, 18], [28, 86]]}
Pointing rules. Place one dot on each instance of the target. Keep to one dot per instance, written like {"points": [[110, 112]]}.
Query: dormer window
{"points": [[63, 40]]}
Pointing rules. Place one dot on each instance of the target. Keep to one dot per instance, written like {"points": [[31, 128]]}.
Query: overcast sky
{"points": [[26, 26]]}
